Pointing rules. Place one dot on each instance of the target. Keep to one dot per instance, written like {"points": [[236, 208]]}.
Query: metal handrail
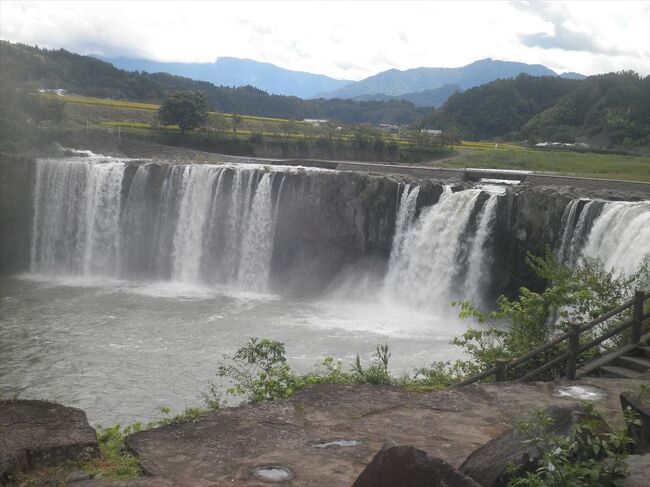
{"points": [[575, 349]]}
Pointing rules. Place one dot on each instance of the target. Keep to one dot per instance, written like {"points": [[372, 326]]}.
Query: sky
{"points": [[345, 39]]}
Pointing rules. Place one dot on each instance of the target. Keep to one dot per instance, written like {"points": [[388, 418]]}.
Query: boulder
{"points": [[406, 466], [40, 433], [639, 405], [488, 465], [77, 476]]}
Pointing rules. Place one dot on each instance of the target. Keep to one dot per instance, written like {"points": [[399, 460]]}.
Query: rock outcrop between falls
{"points": [[16, 186]]}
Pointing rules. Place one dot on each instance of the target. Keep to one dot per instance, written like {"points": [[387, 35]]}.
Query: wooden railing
{"points": [[574, 349]]}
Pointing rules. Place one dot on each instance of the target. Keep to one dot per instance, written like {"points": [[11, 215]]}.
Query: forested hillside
{"points": [[613, 108], [34, 68]]}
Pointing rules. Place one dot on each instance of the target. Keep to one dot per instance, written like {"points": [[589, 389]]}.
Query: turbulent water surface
{"points": [[120, 350]]}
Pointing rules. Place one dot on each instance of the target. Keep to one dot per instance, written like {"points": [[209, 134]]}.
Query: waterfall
{"points": [[198, 224], [441, 255], [620, 236], [615, 232], [76, 218], [568, 226], [405, 214], [577, 220], [217, 225], [257, 245], [480, 258], [196, 188]]}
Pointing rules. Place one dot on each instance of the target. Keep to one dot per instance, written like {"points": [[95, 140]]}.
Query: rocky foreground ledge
{"points": [[323, 436]]}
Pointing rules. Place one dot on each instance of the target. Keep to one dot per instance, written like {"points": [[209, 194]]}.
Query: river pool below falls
{"points": [[122, 350]]}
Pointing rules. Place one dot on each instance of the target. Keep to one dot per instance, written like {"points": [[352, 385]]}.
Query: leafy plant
{"points": [[576, 295], [587, 456], [259, 371], [377, 372], [114, 462]]}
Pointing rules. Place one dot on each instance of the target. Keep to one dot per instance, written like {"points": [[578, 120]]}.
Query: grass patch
{"points": [[464, 144], [566, 163], [86, 100]]}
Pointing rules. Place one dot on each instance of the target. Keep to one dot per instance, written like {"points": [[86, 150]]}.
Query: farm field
{"points": [[566, 163], [139, 119]]}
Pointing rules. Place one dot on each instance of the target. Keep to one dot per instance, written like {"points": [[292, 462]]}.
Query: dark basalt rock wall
{"points": [[16, 183], [329, 222], [528, 219]]}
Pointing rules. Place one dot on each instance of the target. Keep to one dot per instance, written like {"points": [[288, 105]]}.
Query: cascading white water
{"points": [[204, 224], [257, 246], [479, 260], [405, 215], [196, 189], [577, 220], [76, 218], [615, 232], [441, 255], [568, 227], [620, 236], [216, 224]]}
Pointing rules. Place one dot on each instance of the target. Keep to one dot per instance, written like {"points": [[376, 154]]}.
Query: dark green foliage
{"points": [[187, 109], [552, 109], [21, 115], [499, 108], [587, 456], [42, 109], [575, 295]]}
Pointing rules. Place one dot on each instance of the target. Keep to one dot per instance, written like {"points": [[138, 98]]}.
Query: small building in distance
{"points": [[563, 145], [431, 131], [315, 121], [389, 126], [54, 91]]}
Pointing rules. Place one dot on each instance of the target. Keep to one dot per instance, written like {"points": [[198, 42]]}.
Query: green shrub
{"points": [[585, 457], [575, 295]]}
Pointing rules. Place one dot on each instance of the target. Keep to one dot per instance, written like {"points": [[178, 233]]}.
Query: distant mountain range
{"points": [[424, 87], [404, 84], [230, 71], [27, 67], [434, 97]]}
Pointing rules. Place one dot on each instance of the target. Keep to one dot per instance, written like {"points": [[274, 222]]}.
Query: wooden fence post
{"points": [[574, 350], [501, 366], [637, 316]]}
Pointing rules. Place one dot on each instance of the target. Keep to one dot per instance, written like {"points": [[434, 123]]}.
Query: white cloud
{"points": [[344, 39]]}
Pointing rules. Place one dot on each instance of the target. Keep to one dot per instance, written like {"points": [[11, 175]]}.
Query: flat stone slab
{"points": [[40, 433], [328, 434]]}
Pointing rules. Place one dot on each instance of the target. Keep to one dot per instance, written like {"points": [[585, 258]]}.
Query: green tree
{"points": [[41, 108], [236, 122], [187, 109]]}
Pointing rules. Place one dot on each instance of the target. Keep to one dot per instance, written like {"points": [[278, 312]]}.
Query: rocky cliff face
{"points": [[16, 182], [329, 222], [528, 220]]}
